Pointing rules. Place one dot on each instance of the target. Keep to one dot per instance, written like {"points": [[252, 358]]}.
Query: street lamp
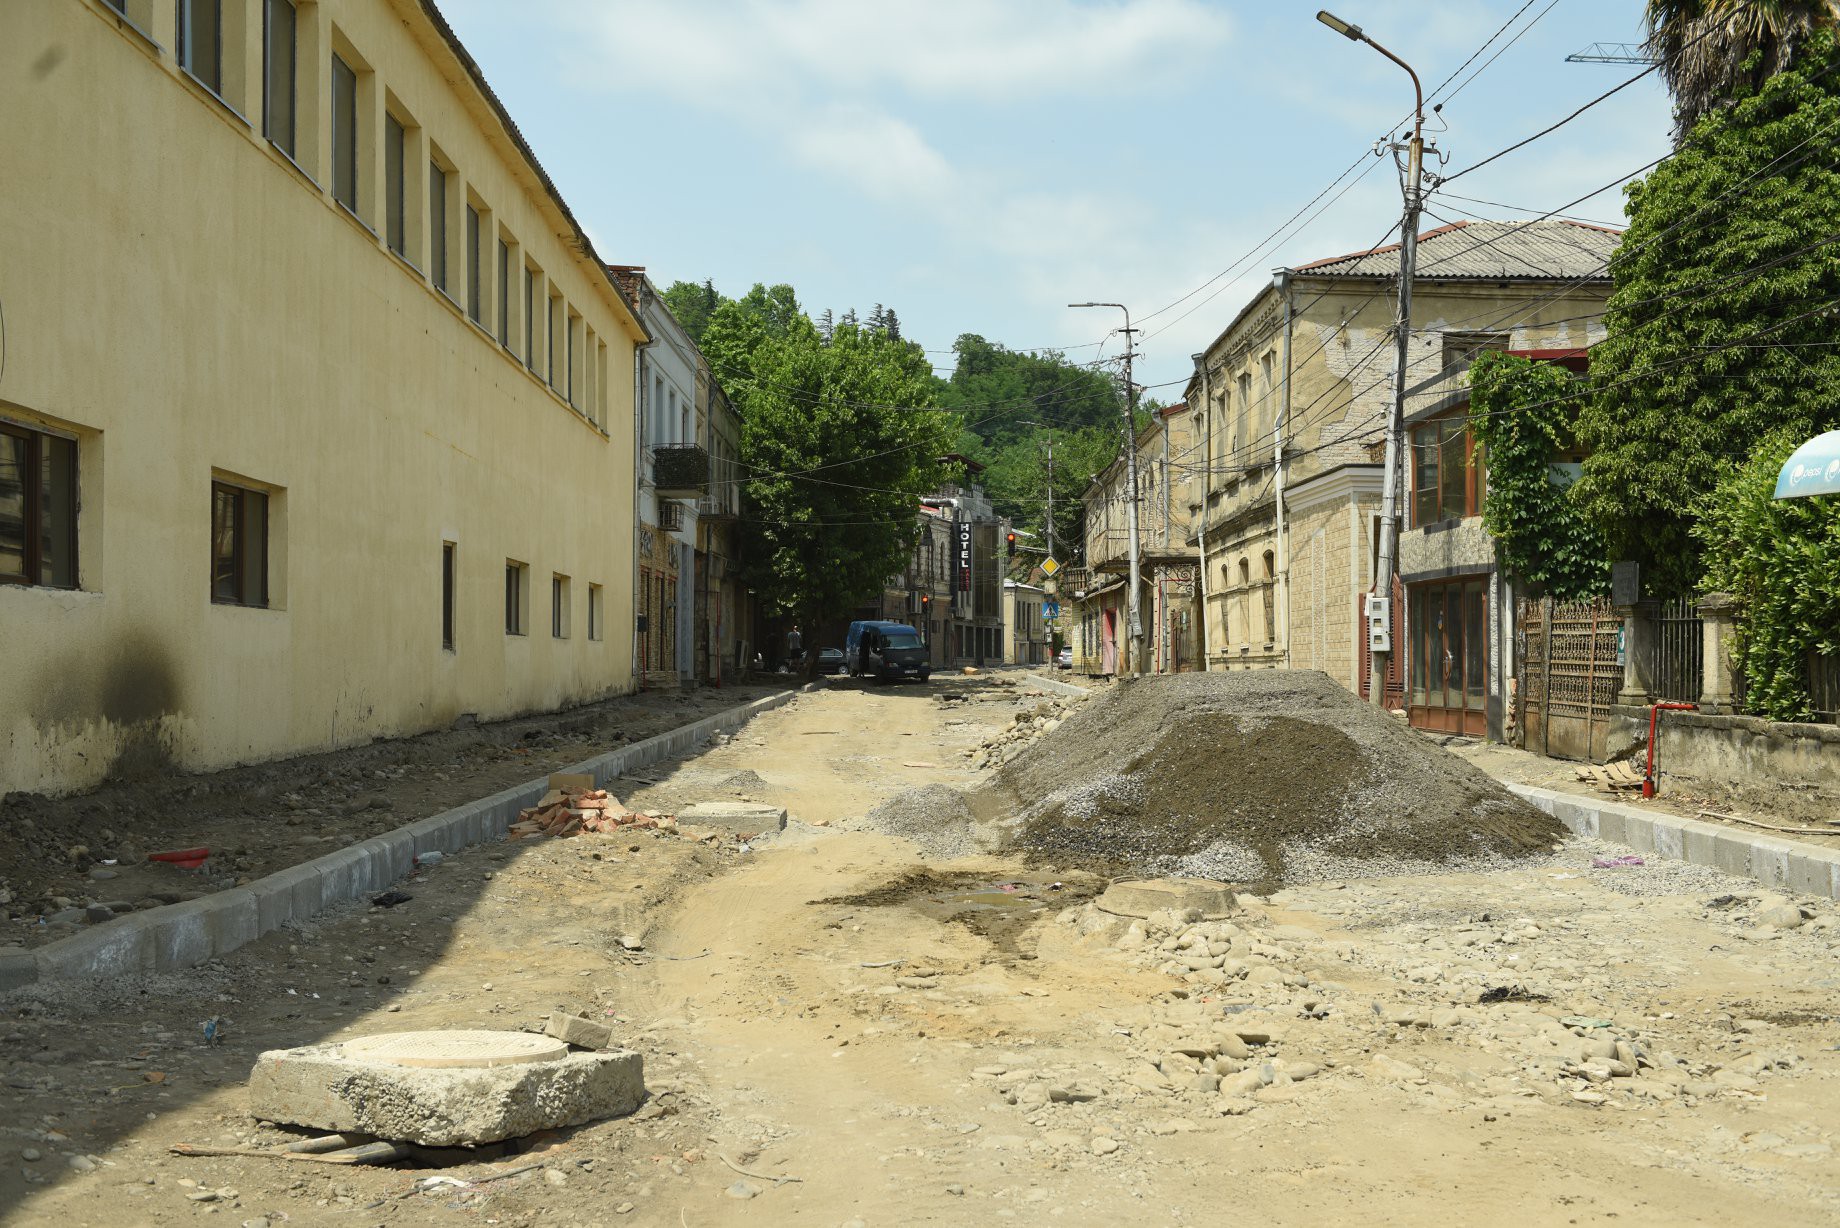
{"points": [[1379, 611], [1133, 616]]}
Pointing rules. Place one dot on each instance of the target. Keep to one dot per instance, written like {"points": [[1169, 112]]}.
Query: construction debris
{"points": [[1024, 728], [444, 1089], [1615, 777], [569, 812]]}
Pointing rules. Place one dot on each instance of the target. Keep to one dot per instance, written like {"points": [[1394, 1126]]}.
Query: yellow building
{"points": [[316, 419], [1295, 395], [1169, 475]]}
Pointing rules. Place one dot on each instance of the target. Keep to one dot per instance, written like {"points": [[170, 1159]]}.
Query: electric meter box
{"points": [[1379, 624]]}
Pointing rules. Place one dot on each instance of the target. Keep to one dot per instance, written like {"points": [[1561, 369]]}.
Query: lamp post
{"points": [[1133, 615], [1379, 618]]}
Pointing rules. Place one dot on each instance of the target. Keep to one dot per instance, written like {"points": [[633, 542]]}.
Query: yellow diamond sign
{"points": [[1049, 567]]}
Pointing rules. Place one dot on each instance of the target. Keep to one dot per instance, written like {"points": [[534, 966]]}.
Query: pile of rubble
{"points": [[1024, 728], [569, 812]]}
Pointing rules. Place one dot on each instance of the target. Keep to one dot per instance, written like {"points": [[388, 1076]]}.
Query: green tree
{"points": [[999, 392], [1720, 326], [692, 305], [1522, 411], [1781, 559], [1711, 51], [838, 444]]}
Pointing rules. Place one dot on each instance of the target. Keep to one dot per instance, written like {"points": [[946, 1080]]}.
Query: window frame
{"points": [[475, 278], [530, 323], [242, 499], [517, 598], [504, 294], [33, 511], [1433, 437], [344, 122], [450, 581], [395, 184], [560, 600], [438, 177], [597, 618], [289, 146], [186, 48]]}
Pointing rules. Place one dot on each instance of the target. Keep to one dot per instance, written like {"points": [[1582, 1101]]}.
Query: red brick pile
{"points": [[569, 812]]}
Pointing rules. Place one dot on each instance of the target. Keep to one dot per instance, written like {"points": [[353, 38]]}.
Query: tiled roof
{"points": [[1500, 251]]}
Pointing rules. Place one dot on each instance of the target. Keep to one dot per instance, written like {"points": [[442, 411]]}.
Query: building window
{"points": [[1242, 435], [395, 221], [1271, 590], [504, 294], [530, 319], [559, 607], [448, 578], [474, 308], [201, 41], [437, 226], [549, 334], [239, 545], [38, 508], [1461, 349], [596, 626], [344, 134], [279, 59], [1449, 477], [517, 597]]}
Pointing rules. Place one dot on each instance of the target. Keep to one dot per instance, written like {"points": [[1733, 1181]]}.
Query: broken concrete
{"points": [[582, 1033], [340, 1087], [1141, 897], [735, 818]]}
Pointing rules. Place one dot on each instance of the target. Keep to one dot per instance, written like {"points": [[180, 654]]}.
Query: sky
{"points": [[978, 164]]}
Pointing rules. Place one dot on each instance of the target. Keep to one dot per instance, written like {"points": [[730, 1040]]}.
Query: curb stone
{"points": [[182, 935], [1053, 686], [1782, 865]]}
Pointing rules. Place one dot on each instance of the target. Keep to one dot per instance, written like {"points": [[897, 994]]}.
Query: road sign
{"points": [[1050, 609], [1049, 567]]}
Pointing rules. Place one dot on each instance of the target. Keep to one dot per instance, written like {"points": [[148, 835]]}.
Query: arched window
{"points": [[1245, 601], [1271, 591]]}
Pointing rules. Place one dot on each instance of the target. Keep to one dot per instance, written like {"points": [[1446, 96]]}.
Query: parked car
{"points": [[830, 660], [1064, 659], [886, 650]]}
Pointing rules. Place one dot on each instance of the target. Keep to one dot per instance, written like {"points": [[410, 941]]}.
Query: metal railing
{"points": [[1677, 668]]}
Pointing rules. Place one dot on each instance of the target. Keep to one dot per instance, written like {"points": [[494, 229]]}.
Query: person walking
{"points": [[795, 646]]}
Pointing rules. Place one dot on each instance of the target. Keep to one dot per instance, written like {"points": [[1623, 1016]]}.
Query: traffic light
{"points": [[1010, 537]]}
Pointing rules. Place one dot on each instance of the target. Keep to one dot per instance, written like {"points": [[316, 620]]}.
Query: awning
{"points": [[1812, 469]]}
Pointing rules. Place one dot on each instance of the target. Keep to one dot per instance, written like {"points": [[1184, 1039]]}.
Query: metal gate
{"points": [[1566, 660]]}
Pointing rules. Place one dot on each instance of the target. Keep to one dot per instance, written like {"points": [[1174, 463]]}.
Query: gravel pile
{"points": [[938, 818], [1266, 778]]}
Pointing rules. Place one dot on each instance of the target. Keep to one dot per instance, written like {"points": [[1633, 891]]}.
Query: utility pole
{"points": [[1379, 628], [1133, 611]]}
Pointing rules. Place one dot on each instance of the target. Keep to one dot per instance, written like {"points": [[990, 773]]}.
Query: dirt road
{"points": [[878, 1040]]}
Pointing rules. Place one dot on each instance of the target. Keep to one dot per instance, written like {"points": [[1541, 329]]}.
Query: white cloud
{"points": [[885, 157], [706, 53]]}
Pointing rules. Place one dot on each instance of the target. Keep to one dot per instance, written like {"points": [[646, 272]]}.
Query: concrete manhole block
{"points": [[444, 1089], [735, 818], [1141, 897], [440, 1049]]}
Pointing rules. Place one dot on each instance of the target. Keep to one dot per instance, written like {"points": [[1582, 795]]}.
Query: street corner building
{"points": [[316, 418], [1294, 398]]}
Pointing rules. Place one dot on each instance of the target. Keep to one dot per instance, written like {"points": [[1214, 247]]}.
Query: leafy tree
{"points": [[1001, 393], [1782, 560], [692, 305], [1720, 326], [1712, 50], [1522, 410], [838, 445]]}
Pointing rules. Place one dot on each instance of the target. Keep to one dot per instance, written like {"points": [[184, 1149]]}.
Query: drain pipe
{"points": [[1654, 722], [1207, 482]]}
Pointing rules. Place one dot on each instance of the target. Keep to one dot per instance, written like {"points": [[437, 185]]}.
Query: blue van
{"points": [[886, 650]]}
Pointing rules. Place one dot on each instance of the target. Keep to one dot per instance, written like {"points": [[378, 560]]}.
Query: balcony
{"points": [[1108, 549], [680, 470], [721, 505]]}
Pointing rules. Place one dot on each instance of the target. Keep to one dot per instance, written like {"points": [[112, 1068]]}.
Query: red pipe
{"points": [[1654, 719]]}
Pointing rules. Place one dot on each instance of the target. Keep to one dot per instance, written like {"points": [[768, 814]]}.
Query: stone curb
{"points": [[1053, 686], [182, 935], [1782, 865]]}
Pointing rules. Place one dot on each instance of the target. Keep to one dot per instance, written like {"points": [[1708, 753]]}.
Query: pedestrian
{"points": [[795, 646]]}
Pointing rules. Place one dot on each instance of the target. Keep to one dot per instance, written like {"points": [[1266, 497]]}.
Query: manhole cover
{"points": [[477, 1048]]}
